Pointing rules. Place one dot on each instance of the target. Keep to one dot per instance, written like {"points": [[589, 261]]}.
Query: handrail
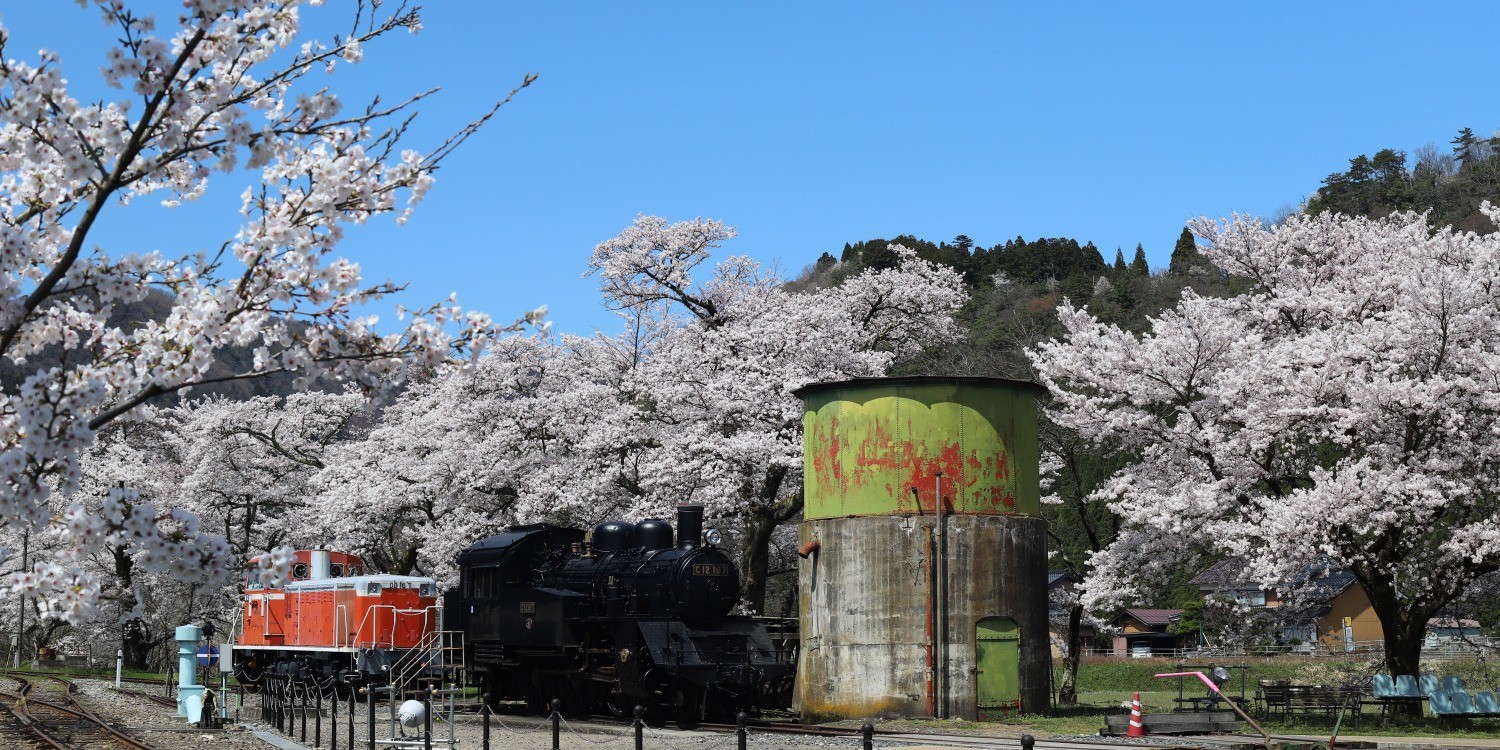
{"points": [[374, 627]]}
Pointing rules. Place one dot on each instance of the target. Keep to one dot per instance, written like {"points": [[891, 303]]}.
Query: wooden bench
{"points": [[1271, 696], [1329, 700]]}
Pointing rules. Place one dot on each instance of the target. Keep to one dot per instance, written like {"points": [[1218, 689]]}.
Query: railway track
{"points": [[44, 711], [160, 700]]}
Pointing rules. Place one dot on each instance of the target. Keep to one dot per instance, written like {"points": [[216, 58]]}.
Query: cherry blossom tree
{"points": [[228, 90], [249, 464], [718, 384], [691, 403], [522, 436], [1346, 406], [241, 468]]}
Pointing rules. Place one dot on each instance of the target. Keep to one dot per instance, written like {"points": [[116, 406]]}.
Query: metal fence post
{"points": [[640, 726], [353, 703], [740, 719], [556, 724], [1027, 742], [867, 734], [427, 725], [370, 704], [484, 713], [333, 720], [302, 712], [318, 716]]}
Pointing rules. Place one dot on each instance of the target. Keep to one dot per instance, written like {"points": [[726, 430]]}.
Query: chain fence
{"points": [[302, 711]]}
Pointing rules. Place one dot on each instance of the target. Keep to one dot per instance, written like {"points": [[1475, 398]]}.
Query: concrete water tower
{"points": [[923, 590]]}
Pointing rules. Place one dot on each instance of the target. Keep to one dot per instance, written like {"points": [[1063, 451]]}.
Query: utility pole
{"points": [[15, 657]]}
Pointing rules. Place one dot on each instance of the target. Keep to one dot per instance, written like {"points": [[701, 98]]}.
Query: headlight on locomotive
{"points": [[705, 587]]}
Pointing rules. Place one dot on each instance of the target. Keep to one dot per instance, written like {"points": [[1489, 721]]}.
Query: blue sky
{"points": [[808, 125]]}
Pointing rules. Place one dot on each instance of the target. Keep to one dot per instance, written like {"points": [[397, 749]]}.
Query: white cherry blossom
{"points": [[1346, 406], [227, 88]]}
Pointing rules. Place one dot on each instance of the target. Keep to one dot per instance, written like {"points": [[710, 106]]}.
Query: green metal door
{"points": [[997, 661]]}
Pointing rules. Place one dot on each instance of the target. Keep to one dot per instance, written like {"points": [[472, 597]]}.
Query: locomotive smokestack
{"points": [[689, 526]]}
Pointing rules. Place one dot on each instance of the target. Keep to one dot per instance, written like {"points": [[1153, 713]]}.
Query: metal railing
{"points": [[1455, 649]]}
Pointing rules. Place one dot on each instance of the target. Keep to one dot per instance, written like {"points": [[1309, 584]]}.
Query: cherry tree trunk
{"points": [[757, 560], [1067, 691], [137, 643], [1405, 628]]}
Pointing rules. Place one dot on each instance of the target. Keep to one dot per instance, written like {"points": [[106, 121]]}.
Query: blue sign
{"points": [[208, 656]]}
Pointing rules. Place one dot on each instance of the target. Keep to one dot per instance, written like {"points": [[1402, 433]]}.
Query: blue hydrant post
{"points": [[189, 692]]}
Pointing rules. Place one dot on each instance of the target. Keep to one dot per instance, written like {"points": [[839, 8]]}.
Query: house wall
{"points": [[1353, 603]]}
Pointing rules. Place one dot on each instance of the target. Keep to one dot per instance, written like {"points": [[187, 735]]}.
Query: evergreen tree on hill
{"points": [[1449, 184], [1185, 255], [1120, 266], [1138, 265]]}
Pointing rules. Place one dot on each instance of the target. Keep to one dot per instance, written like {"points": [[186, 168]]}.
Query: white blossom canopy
{"points": [[228, 87], [1348, 405]]}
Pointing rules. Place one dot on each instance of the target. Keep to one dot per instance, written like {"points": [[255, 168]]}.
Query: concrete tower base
{"points": [[869, 610]]}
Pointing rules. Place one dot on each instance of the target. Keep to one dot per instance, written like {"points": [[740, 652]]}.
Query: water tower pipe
{"points": [[942, 600]]}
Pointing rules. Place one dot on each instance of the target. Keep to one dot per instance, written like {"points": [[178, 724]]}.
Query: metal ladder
{"points": [[439, 657]]}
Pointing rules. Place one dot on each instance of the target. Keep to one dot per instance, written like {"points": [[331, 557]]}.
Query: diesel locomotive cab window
{"points": [[336, 571], [299, 570]]}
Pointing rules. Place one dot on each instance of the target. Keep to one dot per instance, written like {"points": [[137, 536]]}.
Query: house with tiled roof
{"points": [[1320, 604], [1144, 632]]}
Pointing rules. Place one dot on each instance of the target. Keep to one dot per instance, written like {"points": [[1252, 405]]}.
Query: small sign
{"points": [[528, 608], [208, 656]]}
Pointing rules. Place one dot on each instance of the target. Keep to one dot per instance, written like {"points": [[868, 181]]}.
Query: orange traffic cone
{"points": [[1137, 726]]}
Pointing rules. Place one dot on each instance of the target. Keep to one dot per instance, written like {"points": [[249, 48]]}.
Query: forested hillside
{"points": [[1450, 182]]}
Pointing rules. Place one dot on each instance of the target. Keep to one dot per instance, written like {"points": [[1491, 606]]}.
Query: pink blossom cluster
{"points": [[691, 402], [223, 96], [1345, 408]]}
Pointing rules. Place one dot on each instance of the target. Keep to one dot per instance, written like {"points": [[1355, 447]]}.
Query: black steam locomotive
{"points": [[618, 617]]}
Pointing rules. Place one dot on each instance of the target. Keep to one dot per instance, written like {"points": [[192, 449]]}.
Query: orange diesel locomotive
{"points": [[332, 619]]}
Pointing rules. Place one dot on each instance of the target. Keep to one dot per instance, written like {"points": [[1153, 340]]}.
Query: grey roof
{"points": [[1053, 576], [1153, 616], [1318, 581]]}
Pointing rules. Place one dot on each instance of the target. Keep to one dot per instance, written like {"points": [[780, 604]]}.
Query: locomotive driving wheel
{"points": [[687, 712]]}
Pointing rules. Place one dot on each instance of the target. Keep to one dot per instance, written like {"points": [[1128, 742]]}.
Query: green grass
{"points": [[1105, 683]]}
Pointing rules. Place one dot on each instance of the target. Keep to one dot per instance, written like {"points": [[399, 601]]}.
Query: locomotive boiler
{"points": [[621, 616]]}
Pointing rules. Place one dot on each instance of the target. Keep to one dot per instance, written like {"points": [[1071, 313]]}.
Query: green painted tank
{"points": [[875, 447]]}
